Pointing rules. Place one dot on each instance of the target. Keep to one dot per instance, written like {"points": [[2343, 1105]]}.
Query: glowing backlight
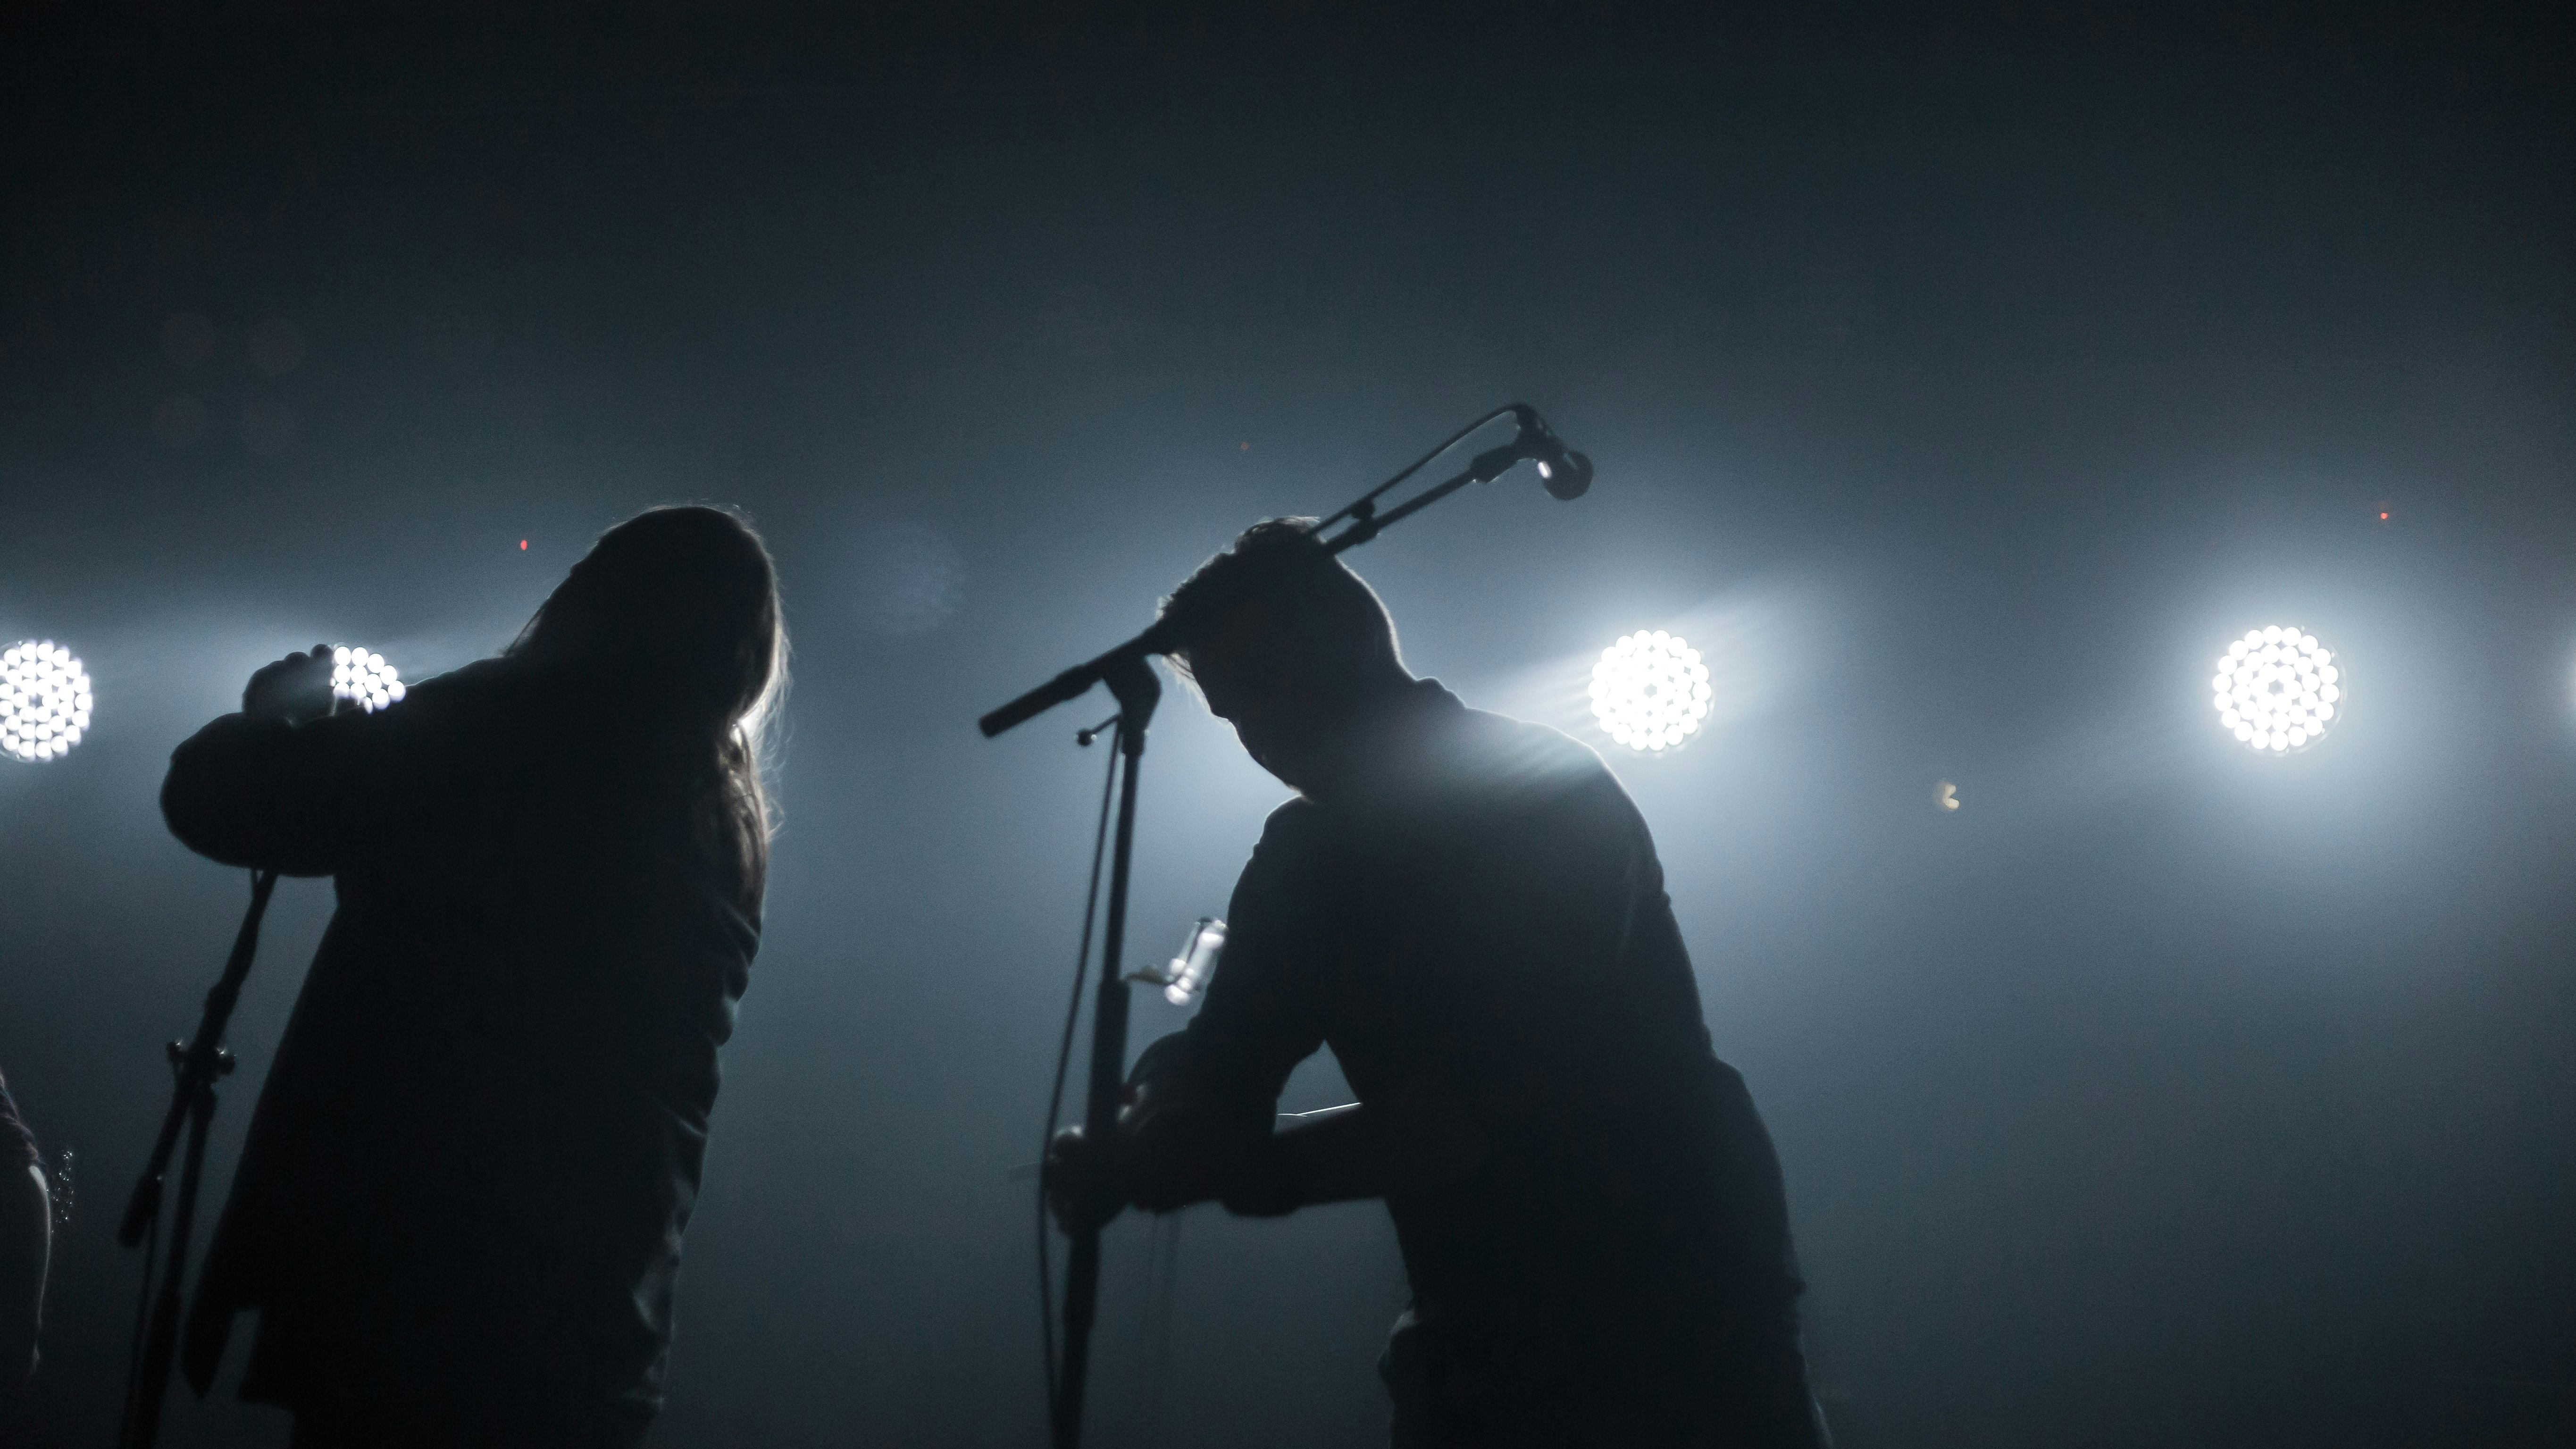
{"points": [[364, 679], [45, 701], [2277, 689], [1650, 691]]}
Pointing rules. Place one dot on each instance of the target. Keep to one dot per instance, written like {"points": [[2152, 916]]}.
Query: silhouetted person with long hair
{"points": [[1468, 910], [458, 1211]]}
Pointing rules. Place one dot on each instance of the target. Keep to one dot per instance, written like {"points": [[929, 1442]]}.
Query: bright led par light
{"points": [[1650, 691], [364, 679], [44, 701], [2277, 689]]}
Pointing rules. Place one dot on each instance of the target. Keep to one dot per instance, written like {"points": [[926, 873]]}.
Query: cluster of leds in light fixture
{"points": [[1650, 691], [364, 679], [44, 701], [2277, 689]]}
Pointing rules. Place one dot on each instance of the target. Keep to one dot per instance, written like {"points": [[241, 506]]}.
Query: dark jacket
{"points": [[461, 1197], [1485, 919]]}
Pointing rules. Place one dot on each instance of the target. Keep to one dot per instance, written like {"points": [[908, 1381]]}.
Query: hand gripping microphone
{"points": [[1566, 473]]}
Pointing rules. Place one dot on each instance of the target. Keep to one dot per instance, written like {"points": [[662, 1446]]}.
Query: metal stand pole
{"points": [[1132, 682], [197, 1066]]}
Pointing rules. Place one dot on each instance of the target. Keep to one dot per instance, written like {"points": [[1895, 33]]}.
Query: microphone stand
{"points": [[197, 1067], [1131, 682]]}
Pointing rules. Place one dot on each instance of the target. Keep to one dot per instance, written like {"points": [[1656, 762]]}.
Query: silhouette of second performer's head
{"points": [[672, 621], [1297, 653]]}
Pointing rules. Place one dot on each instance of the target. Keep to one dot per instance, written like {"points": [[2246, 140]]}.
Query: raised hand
{"points": [[297, 687]]}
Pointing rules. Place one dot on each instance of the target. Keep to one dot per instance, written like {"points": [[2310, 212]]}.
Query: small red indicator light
{"points": [[523, 543], [2383, 518]]}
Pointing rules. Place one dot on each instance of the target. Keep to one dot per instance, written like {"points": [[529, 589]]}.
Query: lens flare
{"points": [[364, 679], [2277, 689], [1650, 691], [45, 701]]}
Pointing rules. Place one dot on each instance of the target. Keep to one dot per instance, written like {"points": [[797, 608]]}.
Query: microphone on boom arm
{"points": [[1566, 474]]}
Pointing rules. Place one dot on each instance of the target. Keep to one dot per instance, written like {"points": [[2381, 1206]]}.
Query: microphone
{"points": [[1566, 473]]}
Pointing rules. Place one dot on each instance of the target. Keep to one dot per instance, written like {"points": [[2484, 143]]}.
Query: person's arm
{"points": [[1200, 1101], [1405, 1141], [26, 1246], [279, 785]]}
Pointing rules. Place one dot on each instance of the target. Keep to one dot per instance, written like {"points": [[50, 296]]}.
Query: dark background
{"points": [[1962, 387]]}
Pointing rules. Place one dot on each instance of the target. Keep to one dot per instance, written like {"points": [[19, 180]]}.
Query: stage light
{"points": [[364, 679], [44, 701], [1650, 691], [2277, 689]]}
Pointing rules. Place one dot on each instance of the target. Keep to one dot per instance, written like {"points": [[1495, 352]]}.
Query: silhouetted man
{"points": [[1469, 911]]}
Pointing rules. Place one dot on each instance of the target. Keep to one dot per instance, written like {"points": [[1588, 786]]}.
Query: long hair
{"points": [[674, 617]]}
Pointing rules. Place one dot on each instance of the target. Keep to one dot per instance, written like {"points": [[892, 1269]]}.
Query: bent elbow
{"points": [[194, 806], [221, 799]]}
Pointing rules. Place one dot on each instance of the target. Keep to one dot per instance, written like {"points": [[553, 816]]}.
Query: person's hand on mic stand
{"points": [[1162, 1157], [295, 689], [1085, 1182], [1166, 1156]]}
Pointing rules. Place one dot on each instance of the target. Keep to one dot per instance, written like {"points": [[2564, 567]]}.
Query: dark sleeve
{"points": [[306, 799], [1262, 1015]]}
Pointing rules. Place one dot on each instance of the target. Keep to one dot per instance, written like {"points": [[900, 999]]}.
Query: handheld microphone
{"points": [[1566, 473]]}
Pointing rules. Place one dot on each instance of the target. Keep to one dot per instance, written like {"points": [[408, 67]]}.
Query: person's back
{"points": [[460, 1203], [1486, 923]]}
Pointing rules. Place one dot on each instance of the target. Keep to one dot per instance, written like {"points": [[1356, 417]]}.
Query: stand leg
{"points": [[192, 1098], [143, 1422]]}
